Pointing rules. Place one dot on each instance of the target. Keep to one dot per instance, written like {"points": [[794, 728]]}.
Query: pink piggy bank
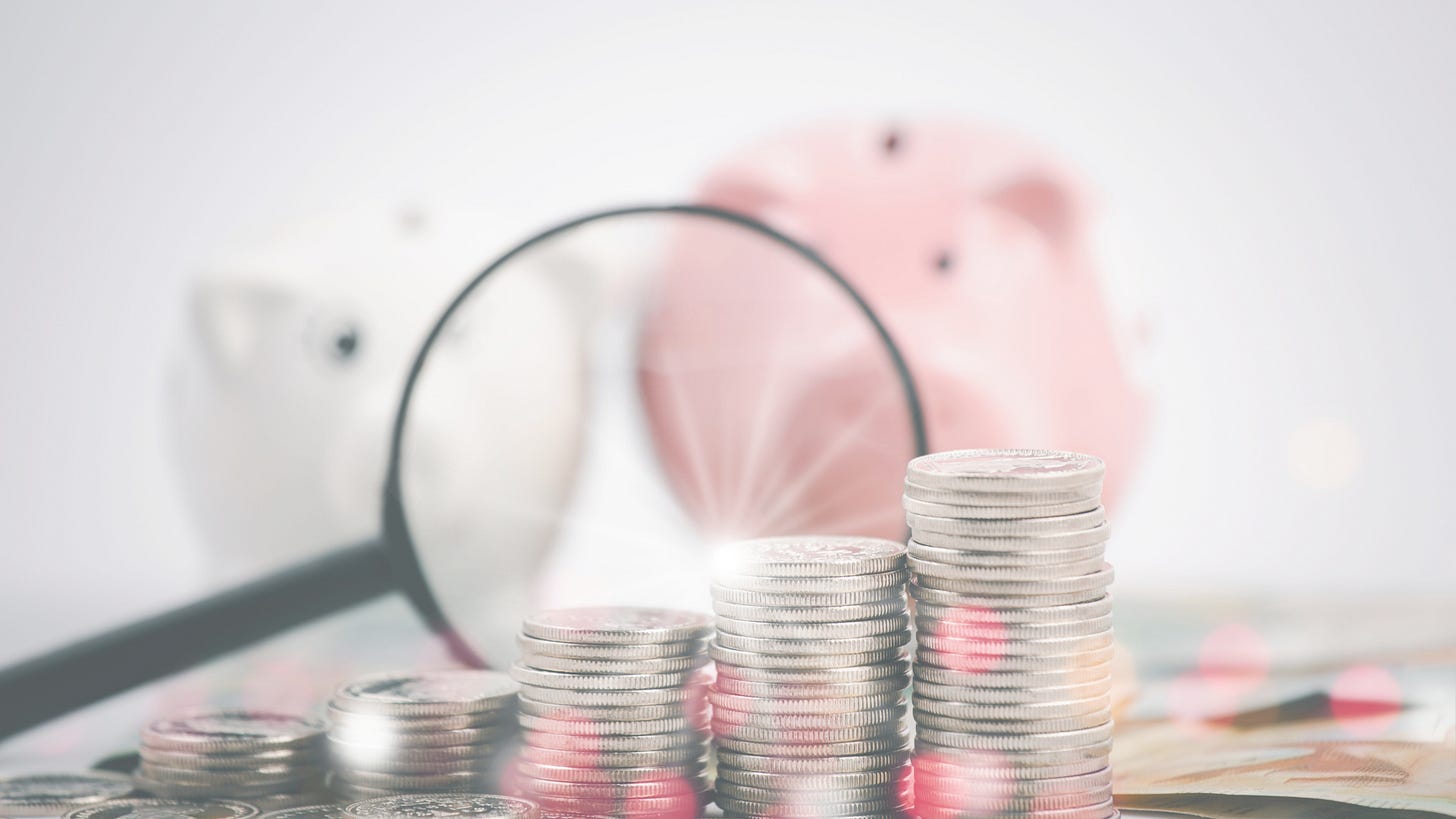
{"points": [[773, 405]]}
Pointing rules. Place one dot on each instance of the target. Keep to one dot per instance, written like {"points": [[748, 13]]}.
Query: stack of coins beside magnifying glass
{"points": [[239, 754], [435, 731], [1012, 670], [808, 704], [613, 711]]}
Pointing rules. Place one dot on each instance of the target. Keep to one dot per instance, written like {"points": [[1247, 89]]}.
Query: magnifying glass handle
{"points": [[45, 687]]}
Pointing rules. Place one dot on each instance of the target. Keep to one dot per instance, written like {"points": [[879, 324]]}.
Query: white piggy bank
{"points": [[286, 387]]}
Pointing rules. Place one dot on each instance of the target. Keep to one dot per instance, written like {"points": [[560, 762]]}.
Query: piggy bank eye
{"points": [[344, 343], [944, 263]]}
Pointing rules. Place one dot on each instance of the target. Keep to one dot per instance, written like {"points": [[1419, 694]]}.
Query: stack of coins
{"points": [[430, 731], [444, 806], [236, 754], [613, 711], [1012, 670], [42, 794], [808, 705]]}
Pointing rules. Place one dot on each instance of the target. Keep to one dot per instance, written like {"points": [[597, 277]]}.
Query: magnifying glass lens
{"points": [[617, 396]]}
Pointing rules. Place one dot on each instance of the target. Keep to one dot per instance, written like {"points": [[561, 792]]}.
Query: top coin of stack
{"points": [[240, 754], [410, 731], [808, 705], [443, 806], [1012, 671], [612, 707]]}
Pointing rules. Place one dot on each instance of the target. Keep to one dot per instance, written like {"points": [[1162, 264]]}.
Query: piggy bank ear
{"points": [[761, 187], [1045, 203], [231, 317]]}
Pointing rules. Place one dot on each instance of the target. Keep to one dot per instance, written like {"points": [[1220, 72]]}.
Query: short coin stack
{"points": [[435, 731], [1012, 674], [613, 711], [808, 705], [257, 756]]}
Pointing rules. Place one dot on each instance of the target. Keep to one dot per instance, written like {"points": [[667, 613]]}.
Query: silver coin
{"points": [[533, 646], [659, 807], [811, 736], [1090, 586], [1029, 711], [610, 713], [310, 756], [893, 773], [394, 768], [809, 556], [729, 788], [1004, 470], [389, 725], [815, 765], [900, 621], [726, 720], [621, 759], [966, 797], [365, 755], [1012, 663], [1023, 542], [891, 594], [979, 511], [749, 659], [164, 809], [1017, 742], [232, 730], [958, 611], [273, 776], [741, 613], [672, 789], [1007, 602], [1043, 647], [1015, 499], [814, 585], [877, 809], [1013, 694], [897, 741], [442, 782], [843, 645], [998, 771], [828, 705], [617, 625], [1005, 574], [205, 792], [999, 786], [897, 668], [1044, 725], [328, 811], [434, 739], [624, 698], [1003, 559], [615, 743], [52, 794], [610, 776], [983, 626], [1105, 810], [444, 806], [811, 691], [600, 682], [587, 727], [441, 693], [1003, 528], [573, 665]]}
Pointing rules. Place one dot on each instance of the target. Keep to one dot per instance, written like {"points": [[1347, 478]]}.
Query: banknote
{"points": [[1218, 806], [1373, 774]]}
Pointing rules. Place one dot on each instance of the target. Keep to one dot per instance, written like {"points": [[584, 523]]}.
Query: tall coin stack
{"points": [[1014, 625], [613, 711], [808, 704], [431, 731], [257, 756]]}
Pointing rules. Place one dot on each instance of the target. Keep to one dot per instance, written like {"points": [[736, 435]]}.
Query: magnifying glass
{"points": [[623, 389]]}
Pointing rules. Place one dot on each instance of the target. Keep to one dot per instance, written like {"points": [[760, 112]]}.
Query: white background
{"points": [[1276, 186]]}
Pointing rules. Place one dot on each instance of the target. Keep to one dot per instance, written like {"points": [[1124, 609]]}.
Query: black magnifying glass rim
{"points": [[399, 545]]}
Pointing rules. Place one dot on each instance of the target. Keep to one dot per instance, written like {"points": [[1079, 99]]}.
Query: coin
{"points": [[725, 594], [168, 808], [609, 713], [598, 682], [1092, 583], [1017, 497], [849, 629], [596, 651], [978, 627], [231, 730], [427, 694], [1031, 711], [1011, 694], [843, 645], [894, 741], [918, 506], [943, 556], [1033, 542], [617, 625], [574, 665], [328, 811], [444, 806], [592, 775], [1006, 574], [820, 705], [1039, 725], [1005, 470], [811, 556], [52, 794], [896, 669], [620, 759], [626, 697], [1002, 647], [814, 765], [812, 612], [800, 662], [810, 691], [960, 611]]}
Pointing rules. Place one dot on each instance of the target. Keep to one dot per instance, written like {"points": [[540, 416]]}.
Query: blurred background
{"points": [[1269, 215]]}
